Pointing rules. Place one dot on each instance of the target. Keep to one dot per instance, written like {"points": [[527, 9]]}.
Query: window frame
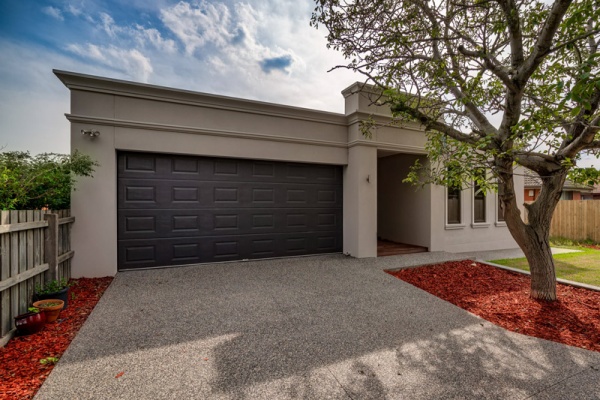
{"points": [[486, 222], [461, 224]]}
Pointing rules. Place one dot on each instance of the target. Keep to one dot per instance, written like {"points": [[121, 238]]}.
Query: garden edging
{"points": [[559, 280]]}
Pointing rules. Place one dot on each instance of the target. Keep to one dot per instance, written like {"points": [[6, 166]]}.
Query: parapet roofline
{"points": [[92, 83]]}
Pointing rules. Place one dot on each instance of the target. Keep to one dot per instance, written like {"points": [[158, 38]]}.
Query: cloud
{"points": [[276, 63], [108, 23], [227, 37], [71, 9], [53, 12], [130, 62], [153, 37], [198, 25]]}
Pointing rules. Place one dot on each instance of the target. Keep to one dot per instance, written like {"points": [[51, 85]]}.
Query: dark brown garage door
{"points": [[175, 210]]}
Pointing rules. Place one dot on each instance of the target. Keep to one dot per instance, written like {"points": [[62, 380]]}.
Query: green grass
{"points": [[583, 267]]}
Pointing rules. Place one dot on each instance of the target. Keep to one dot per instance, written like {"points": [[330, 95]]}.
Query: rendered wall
{"points": [[403, 210], [360, 202], [468, 236]]}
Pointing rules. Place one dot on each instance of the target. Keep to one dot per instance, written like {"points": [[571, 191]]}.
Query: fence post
{"points": [[51, 247]]}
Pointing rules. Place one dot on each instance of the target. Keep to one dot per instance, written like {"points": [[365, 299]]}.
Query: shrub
{"points": [[43, 181]]}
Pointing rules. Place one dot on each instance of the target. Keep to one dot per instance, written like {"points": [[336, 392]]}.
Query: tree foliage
{"points": [[496, 83], [43, 181]]}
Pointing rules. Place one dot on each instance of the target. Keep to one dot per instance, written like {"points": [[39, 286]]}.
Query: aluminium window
{"points": [[453, 206], [500, 207], [479, 212]]}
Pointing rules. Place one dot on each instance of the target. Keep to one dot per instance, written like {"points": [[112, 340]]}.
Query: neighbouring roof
{"points": [[533, 181]]}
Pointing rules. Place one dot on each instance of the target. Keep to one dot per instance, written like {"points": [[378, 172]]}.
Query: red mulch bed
{"points": [[592, 246], [21, 373], [502, 297]]}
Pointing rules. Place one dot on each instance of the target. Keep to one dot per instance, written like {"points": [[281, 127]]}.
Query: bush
{"points": [[43, 181]]}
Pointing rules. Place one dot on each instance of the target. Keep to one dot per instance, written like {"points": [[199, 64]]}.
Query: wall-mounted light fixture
{"points": [[92, 133]]}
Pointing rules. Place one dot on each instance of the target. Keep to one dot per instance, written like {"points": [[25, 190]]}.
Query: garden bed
{"points": [[26, 361], [502, 297]]}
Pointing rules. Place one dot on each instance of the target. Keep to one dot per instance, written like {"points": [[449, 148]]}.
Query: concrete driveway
{"points": [[327, 327]]}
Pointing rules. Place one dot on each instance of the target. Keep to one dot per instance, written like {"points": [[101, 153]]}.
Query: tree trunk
{"points": [[533, 237], [541, 264]]}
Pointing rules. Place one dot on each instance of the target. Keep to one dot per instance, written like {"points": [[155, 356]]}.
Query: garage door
{"points": [[175, 210]]}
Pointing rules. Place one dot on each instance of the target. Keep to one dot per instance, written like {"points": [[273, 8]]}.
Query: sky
{"points": [[255, 49]]}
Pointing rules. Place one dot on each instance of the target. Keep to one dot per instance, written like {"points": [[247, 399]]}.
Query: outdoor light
{"points": [[90, 132]]}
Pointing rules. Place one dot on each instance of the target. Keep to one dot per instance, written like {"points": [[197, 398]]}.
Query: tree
{"points": [[495, 83], [42, 181]]}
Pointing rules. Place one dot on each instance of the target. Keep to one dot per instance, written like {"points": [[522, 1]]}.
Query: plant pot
{"points": [[30, 322], [60, 295], [50, 307]]}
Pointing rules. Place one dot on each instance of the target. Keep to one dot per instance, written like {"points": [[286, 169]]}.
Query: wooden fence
{"points": [[35, 247], [577, 220]]}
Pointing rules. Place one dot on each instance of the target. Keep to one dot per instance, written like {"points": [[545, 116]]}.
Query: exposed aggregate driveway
{"points": [[324, 327]]}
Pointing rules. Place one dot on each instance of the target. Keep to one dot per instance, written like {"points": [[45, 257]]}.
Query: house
{"points": [[187, 178], [593, 195], [571, 190]]}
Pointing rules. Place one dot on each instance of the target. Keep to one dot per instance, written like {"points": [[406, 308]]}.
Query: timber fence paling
{"points": [[34, 247], [577, 220]]}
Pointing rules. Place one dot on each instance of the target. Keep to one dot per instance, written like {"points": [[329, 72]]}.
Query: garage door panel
{"points": [[140, 224], [162, 166], [161, 194], [181, 251], [175, 210]]}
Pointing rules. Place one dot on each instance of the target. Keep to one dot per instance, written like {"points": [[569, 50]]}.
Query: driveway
{"points": [[326, 327]]}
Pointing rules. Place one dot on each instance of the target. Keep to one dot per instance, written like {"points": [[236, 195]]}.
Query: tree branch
{"points": [[491, 64], [542, 46], [595, 145], [432, 124], [578, 38], [510, 10]]}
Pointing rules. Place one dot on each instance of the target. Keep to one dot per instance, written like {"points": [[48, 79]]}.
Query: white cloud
{"points": [[226, 51], [130, 62], [152, 36], [71, 9], [53, 12], [108, 23], [199, 25]]}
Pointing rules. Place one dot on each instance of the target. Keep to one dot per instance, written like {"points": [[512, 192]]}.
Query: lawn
{"points": [[583, 267]]}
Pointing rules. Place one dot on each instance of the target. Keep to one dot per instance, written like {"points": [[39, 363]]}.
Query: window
{"points": [[566, 196], [500, 208], [478, 205], [453, 206]]}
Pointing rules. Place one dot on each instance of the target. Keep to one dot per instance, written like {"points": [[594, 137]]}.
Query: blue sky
{"points": [[256, 49]]}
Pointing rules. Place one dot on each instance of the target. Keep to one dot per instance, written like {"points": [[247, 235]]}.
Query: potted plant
{"points": [[55, 289], [50, 307], [30, 322]]}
